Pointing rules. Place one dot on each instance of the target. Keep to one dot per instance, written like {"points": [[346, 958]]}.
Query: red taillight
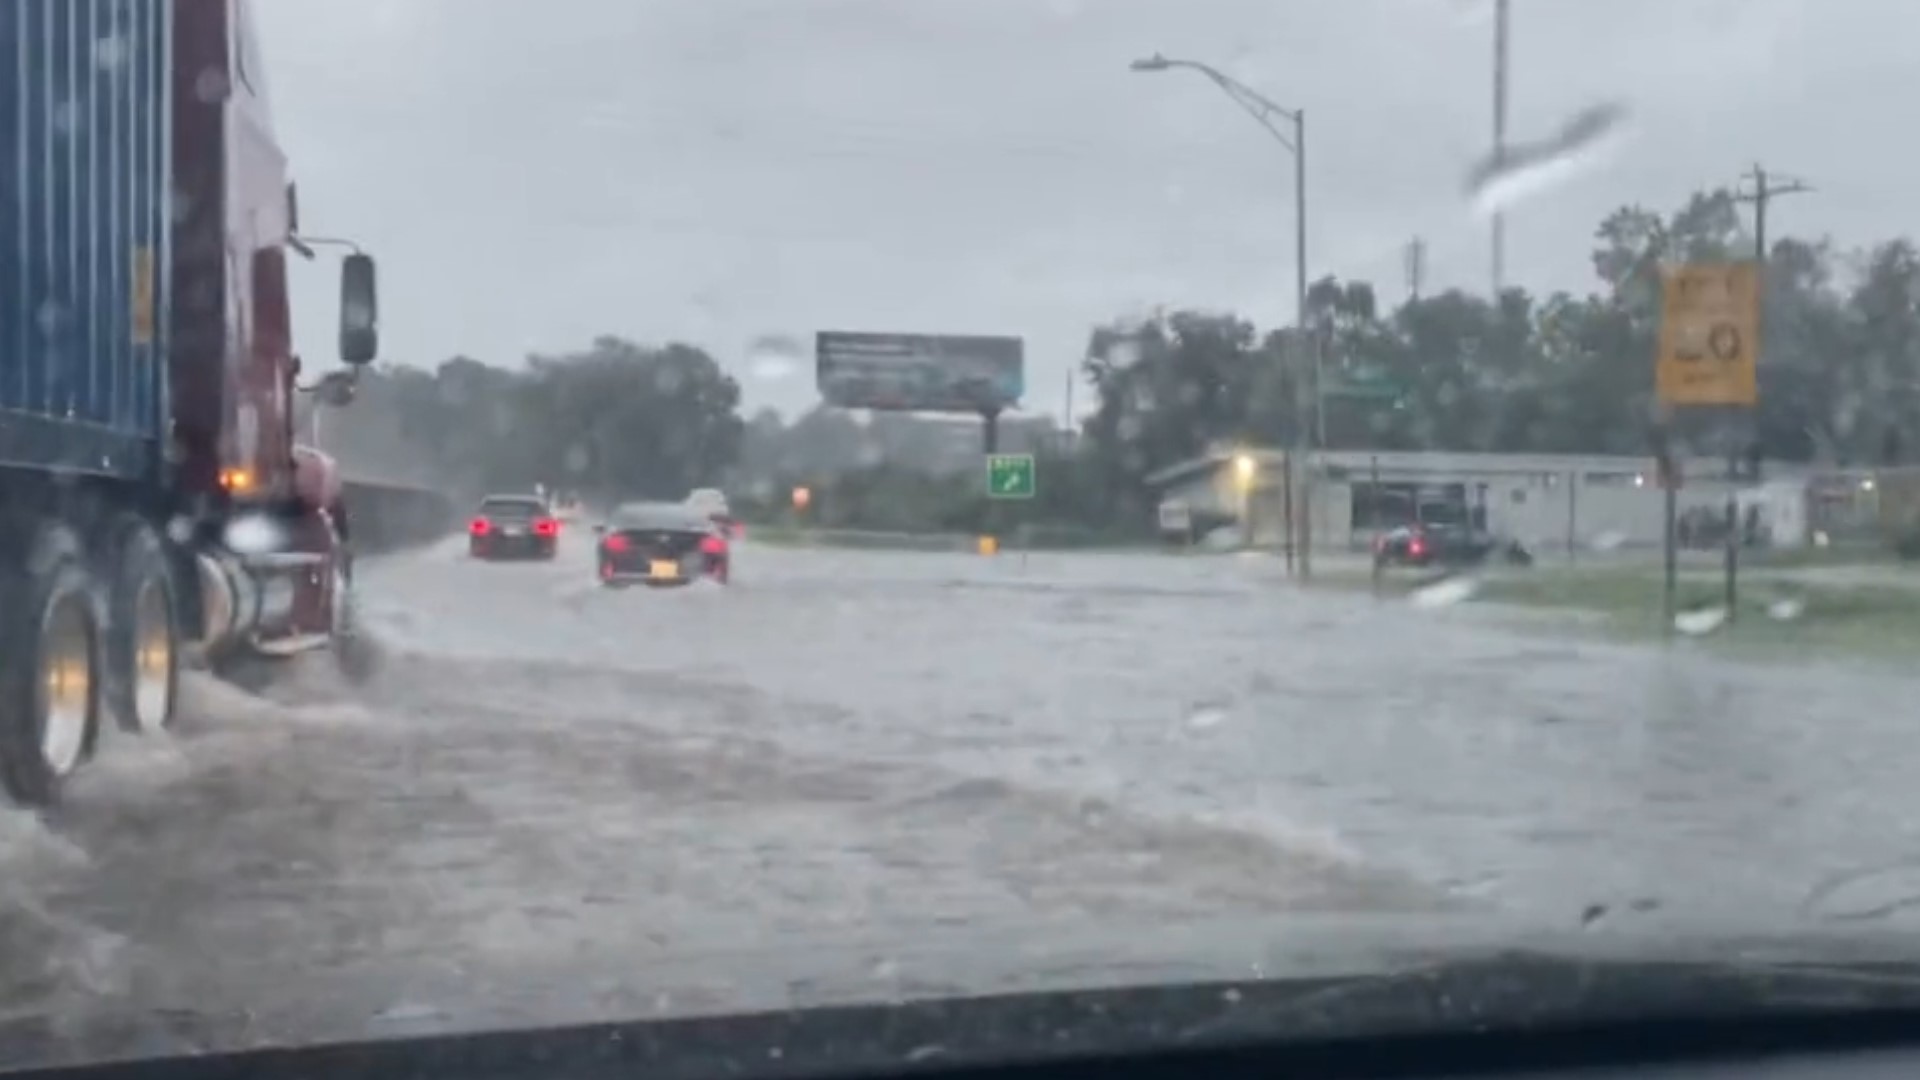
{"points": [[712, 545], [1416, 548], [616, 542], [480, 527], [546, 527]]}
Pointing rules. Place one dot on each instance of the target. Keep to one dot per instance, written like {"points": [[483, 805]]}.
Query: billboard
{"points": [[919, 372]]}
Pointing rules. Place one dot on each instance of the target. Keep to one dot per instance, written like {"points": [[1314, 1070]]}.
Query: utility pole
{"points": [[1499, 138], [1066, 417], [1740, 429], [1316, 436], [1416, 267]]}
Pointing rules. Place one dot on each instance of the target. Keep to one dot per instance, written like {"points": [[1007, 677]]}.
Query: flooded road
{"points": [[558, 802]]}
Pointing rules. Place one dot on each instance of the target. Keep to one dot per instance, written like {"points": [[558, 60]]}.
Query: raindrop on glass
{"points": [[50, 316], [255, 534], [1501, 180], [772, 357], [211, 87], [110, 52], [1206, 717]]}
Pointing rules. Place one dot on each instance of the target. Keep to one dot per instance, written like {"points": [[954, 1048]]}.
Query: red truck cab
{"points": [[148, 381]]}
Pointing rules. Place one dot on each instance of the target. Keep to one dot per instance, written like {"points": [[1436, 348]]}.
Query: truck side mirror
{"points": [[359, 310]]}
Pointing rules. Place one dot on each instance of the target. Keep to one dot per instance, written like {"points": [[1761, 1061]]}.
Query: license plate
{"points": [[663, 569], [512, 530]]}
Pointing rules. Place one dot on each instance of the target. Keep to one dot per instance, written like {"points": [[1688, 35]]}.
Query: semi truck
{"points": [[154, 508]]}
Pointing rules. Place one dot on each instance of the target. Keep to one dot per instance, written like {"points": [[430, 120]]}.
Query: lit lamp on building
{"points": [[1244, 471]]}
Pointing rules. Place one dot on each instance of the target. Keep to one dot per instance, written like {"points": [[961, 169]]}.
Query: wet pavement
{"points": [[581, 803]]}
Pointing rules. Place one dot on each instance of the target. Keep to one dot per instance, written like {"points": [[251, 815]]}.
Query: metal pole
{"points": [[1499, 137], [1760, 195], [1307, 438], [1669, 553], [1740, 422]]}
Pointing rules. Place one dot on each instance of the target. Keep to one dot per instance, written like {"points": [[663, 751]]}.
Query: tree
{"points": [[618, 421]]}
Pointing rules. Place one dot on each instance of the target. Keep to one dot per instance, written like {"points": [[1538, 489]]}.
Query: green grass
{"points": [[1626, 601], [1797, 558]]}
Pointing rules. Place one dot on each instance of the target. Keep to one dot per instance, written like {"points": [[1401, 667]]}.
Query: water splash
{"points": [[1700, 621], [1444, 593]]}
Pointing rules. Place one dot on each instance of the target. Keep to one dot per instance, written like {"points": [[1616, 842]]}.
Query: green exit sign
{"points": [[1010, 476]]}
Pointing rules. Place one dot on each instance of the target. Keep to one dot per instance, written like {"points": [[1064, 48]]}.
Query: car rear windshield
{"points": [[668, 519], [513, 509]]}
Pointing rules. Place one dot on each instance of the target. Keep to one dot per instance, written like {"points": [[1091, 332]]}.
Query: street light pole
{"points": [[1307, 440], [1309, 427]]}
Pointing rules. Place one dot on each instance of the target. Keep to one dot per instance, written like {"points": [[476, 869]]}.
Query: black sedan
{"points": [[661, 544], [513, 526], [1447, 547]]}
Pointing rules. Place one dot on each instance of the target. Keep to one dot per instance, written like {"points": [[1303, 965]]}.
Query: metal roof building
{"points": [[1548, 500]]}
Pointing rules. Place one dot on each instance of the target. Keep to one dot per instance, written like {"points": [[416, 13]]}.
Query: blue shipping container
{"points": [[84, 180]]}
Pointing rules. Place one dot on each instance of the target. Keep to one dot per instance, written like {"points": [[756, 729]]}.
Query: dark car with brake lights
{"points": [[513, 526], [1444, 546], [661, 544]]}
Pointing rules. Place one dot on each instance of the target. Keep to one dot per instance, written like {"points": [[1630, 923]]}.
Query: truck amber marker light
{"points": [[236, 480]]}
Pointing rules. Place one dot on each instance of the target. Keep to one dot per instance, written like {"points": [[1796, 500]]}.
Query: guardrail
{"points": [[1018, 538], [386, 517]]}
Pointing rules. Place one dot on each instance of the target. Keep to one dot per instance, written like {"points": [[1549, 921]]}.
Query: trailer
{"points": [[153, 505]]}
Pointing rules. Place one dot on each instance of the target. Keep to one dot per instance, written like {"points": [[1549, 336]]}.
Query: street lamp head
{"points": [[1243, 467], [1156, 62]]}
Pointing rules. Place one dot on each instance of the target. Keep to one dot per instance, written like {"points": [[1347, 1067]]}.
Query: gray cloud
{"points": [[715, 170]]}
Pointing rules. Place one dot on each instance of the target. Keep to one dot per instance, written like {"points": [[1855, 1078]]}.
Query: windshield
{"points": [[659, 517], [513, 508], [1151, 488]]}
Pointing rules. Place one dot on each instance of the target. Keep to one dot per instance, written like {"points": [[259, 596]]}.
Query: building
{"points": [[1548, 501]]}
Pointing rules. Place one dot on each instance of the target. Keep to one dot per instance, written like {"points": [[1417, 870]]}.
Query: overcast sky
{"points": [[535, 172]]}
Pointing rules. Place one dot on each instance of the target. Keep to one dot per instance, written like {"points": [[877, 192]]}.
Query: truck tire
{"points": [[50, 686], [142, 632]]}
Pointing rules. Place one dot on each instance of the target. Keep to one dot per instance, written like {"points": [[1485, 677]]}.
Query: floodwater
{"points": [[558, 802]]}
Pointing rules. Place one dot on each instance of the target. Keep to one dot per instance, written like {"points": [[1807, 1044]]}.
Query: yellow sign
{"points": [[142, 296], [1709, 335]]}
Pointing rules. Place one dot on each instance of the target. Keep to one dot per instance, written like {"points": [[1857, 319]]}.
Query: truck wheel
{"points": [[142, 633], [50, 690]]}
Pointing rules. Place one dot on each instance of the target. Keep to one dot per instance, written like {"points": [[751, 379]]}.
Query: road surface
{"points": [[558, 802]]}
